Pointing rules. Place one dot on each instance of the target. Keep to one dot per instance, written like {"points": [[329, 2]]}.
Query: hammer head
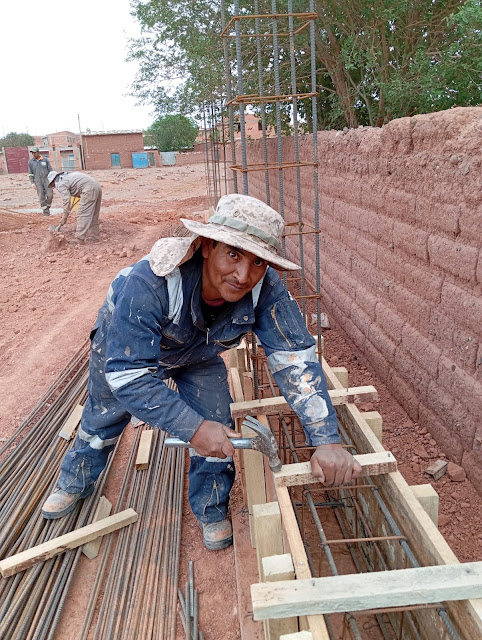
{"points": [[264, 442]]}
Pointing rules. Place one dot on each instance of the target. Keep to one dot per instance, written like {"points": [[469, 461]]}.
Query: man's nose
{"points": [[243, 272]]}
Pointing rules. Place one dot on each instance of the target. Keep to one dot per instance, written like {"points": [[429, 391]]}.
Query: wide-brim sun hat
{"points": [[246, 223], [52, 175]]}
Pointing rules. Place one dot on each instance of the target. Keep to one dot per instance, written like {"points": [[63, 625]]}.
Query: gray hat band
{"points": [[250, 229]]}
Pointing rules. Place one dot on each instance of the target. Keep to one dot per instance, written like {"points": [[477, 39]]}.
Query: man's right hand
{"points": [[212, 439]]}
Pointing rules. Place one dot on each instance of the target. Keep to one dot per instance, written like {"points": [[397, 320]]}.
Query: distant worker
{"points": [[39, 168], [79, 185]]}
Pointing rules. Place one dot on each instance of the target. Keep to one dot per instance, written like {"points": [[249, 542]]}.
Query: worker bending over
{"points": [[171, 315], [79, 185], [39, 168]]}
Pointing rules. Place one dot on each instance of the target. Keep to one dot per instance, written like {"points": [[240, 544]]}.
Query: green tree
{"points": [[375, 59], [17, 140], [172, 133]]}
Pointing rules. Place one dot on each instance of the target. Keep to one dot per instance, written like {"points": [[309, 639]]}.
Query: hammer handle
{"points": [[238, 443]]}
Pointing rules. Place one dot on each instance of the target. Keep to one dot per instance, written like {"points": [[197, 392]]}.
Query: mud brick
{"points": [[455, 257]]}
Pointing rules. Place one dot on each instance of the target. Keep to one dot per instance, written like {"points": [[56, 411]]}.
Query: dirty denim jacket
{"points": [[150, 325]]}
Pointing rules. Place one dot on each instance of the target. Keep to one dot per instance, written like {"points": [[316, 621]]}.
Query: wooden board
{"points": [[372, 464], [71, 540], [144, 450], [72, 423], [104, 507], [274, 405], [363, 591]]}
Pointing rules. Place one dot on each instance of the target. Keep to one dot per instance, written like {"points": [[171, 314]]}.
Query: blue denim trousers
{"points": [[203, 387]]}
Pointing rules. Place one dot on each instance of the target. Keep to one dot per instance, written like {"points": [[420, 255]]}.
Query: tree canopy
{"points": [[17, 140], [375, 59], [171, 133]]}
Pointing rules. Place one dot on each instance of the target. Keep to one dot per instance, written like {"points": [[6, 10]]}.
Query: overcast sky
{"points": [[61, 60]]}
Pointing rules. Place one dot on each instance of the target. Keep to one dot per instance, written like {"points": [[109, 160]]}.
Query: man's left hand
{"points": [[333, 465]]}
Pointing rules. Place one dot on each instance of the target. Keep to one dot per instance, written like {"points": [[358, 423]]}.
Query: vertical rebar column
{"points": [[314, 115], [229, 95], [257, 24], [239, 72], [297, 154]]}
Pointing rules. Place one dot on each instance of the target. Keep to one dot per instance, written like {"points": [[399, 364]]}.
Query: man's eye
{"points": [[259, 263], [233, 254]]}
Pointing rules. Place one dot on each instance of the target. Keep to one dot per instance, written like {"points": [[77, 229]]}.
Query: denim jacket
{"points": [[150, 325]]}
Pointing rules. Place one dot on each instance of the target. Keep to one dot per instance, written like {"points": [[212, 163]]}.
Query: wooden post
{"points": [[375, 422], [254, 480], [144, 450], [72, 423], [428, 498], [279, 568], [342, 374], [267, 529]]}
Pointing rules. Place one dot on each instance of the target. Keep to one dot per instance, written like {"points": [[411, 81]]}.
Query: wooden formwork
{"points": [[281, 555]]}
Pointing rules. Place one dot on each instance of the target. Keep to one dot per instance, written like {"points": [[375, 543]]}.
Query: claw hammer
{"points": [[264, 442]]}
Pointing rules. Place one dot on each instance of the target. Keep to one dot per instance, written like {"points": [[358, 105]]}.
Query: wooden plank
{"points": [[267, 530], [437, 469], [103, 510], [372, 464], [237, 391], [144, 450], [274, 405], [45, 551], [300, 560], [431, 547], [276, 568], [301, 635], [428, 498], [72, 423], [254, 479], [363, 591]]}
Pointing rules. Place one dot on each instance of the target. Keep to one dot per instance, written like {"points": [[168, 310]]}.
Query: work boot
{"points": [[76, 240], [217, 535], [60, 503], [46, 212]]}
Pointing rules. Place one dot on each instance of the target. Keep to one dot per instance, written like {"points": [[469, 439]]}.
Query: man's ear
{"points": [[206, 244]]}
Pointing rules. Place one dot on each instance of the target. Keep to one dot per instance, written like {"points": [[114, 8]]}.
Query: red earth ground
{"points": [[50, 292]]}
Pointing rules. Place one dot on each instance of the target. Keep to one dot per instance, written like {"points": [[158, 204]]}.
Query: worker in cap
{"points": [[39, 168], [77, 187], [170, 316]]}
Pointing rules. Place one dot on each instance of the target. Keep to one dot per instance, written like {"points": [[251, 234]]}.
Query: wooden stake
{"points": [[104, 507], [72, 423], [144, 451]]}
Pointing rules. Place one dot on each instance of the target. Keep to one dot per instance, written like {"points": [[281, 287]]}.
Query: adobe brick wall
{"points": [[401, 260], [98, 149]]}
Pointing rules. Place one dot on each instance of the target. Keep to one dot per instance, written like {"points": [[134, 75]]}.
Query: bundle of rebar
{"points": [[140, 590], [31, 602]]}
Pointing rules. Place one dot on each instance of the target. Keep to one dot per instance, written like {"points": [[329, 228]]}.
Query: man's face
{"points": [[229, 273], [36, 155]]}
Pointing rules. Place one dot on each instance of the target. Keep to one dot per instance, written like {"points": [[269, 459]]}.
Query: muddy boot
{"points": [[217, 535], [60, 503]]}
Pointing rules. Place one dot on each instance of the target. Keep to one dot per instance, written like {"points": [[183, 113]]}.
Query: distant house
{"points": [[123, 149], [252, 126]]}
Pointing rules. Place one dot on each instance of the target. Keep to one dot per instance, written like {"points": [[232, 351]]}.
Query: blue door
{"points": [[139, 160], [115, 159]]}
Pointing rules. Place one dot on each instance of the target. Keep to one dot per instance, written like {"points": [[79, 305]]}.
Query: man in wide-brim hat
{"points": [[171, 315]]}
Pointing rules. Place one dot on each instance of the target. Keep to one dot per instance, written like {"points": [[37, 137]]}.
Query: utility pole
{"points": [[82, 159]]}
